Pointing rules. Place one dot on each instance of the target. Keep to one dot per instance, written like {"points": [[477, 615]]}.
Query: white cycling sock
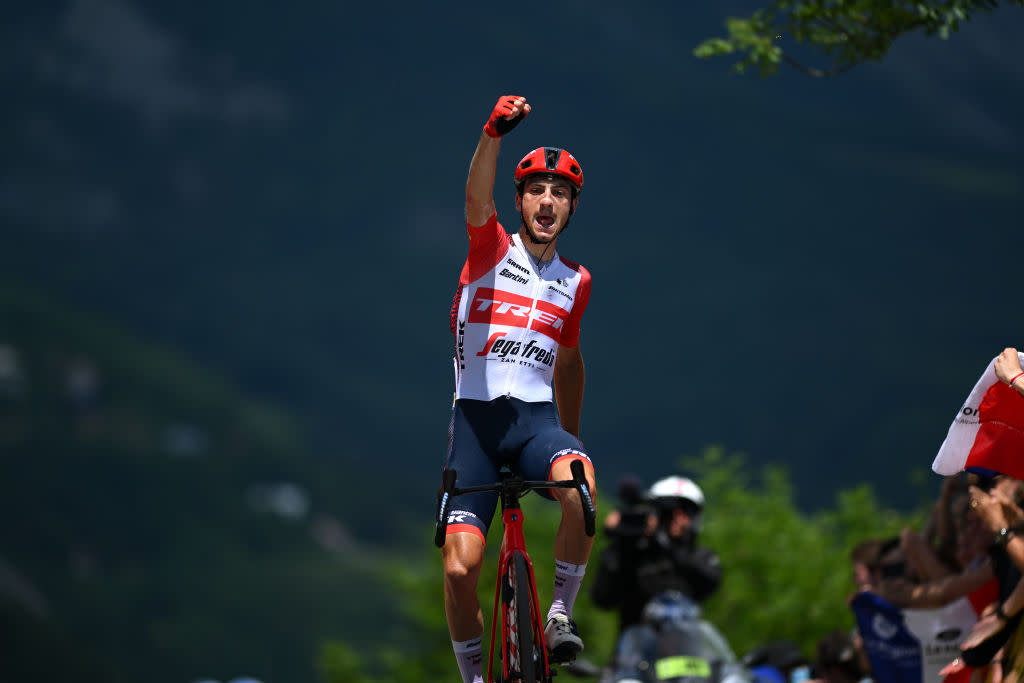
{"points": [[468, 654], [568, 578]]}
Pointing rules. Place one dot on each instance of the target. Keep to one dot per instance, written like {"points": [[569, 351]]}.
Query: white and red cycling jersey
{"points": [[508, 319]]}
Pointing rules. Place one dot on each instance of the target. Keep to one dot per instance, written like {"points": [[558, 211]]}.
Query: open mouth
{"points": [[545, 221]]}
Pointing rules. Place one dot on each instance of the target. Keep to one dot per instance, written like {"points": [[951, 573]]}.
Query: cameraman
{"points": [[653, 549]]}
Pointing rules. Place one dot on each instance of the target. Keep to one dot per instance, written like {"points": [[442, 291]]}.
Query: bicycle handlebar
{"points": [[579, 479], [513, 485]]}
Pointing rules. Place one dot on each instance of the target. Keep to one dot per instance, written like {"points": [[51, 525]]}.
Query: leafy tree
{"points": [[847, 32], [340, 662], [787, 573]]}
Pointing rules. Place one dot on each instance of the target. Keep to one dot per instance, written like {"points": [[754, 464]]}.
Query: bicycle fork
{"points": [[514, 543]]}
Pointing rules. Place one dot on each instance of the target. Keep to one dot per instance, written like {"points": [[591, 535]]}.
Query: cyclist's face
{"points": [[545, 205]]}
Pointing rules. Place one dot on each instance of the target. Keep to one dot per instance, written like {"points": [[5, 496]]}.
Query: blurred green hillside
{"points": [[156, 524]]}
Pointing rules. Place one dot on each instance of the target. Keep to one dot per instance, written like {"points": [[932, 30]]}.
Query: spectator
{"points": [[890, 570], [970, 556], [997, 505], [916, 602], [933, 552], [653, 552], [654, 549], [837, 659], [779, 661], [967, 560], [864, 562]]}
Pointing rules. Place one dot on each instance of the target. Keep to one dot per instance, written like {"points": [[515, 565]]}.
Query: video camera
{"points": [[634, 511]]}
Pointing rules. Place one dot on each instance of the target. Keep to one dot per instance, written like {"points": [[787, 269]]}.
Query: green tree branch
{"points": [[848, 33]]}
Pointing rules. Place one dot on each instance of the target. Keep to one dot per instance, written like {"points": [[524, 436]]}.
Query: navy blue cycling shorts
{"points": [[484, 435]]}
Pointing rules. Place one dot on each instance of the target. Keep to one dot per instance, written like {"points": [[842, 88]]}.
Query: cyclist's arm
{"points": [[480, 183], [569, 387], [507, 114]]}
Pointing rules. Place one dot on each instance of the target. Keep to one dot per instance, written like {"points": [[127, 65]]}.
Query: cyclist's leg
{"points": [[548, 455], [463, 552], [463, 556], [571, 542]]}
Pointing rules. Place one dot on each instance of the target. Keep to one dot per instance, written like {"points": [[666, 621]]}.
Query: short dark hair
{"points": [[887, 546], [837, 649], [867, 552], [890, 569], [784, 655]]}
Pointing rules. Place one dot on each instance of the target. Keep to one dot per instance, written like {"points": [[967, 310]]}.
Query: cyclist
{"points": [[515, 317], [648, 559]]}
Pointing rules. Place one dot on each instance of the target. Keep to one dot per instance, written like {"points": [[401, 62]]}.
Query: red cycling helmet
{"points": [[549, 160]]}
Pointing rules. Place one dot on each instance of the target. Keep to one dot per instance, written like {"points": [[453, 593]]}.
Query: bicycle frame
{"points": [[510, 488], [513, 541]]}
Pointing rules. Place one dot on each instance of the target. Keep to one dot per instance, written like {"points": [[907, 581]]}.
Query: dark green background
{"points": [[811, 272]]}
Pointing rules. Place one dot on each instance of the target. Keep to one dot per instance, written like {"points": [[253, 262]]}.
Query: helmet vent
{"points": [[551, 158], [527, 163], [574, 169]]}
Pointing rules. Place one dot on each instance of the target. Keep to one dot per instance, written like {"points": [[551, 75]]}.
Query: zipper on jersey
{"points": [[529, 321]]}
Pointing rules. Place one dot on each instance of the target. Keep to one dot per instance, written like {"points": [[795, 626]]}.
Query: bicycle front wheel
{"points": [[521, 651]]}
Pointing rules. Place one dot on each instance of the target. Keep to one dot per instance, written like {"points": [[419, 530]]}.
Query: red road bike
{"points": [[523, 653]]}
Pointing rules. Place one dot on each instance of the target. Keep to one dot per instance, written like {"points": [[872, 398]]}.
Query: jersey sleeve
{"points": [[571, 331], [488, 244]]}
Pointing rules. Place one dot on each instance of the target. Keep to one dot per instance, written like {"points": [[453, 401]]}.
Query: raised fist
{"points": [[508, 112]]}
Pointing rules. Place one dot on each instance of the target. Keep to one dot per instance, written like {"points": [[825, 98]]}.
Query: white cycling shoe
{"points": [[562, 638]]}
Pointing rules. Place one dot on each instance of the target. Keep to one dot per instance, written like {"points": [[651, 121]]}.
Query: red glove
{"points": [[498, 125]]}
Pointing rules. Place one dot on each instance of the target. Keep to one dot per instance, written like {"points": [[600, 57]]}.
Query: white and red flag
{"points": [[987, 435]]}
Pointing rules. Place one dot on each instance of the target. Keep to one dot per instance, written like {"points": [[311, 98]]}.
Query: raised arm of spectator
{"points": [[938, 592], [998, 509], [995, 617], [921, 556], [1008, 369], [940, 532], [1002, 516]]}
